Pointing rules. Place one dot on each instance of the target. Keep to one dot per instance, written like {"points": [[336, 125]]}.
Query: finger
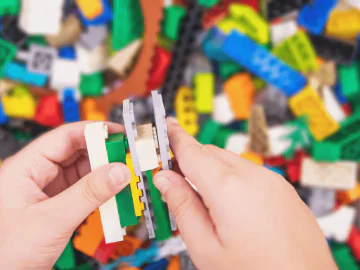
{"points": [[197, 163], [185, 205], [75, 203]]}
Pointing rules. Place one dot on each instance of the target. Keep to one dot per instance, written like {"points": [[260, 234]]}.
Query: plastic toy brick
{"points": [[213, 43], [161, 62], [353, 3], [258, 131], [281, 31], [204, 89], [222, 137], [253, 157], [343, 257], [263, 64], [314, 16], [145, 147], [11, 32], [70, 105], [332, 105], [3, 116], [228, 69], [185, 110], [19, 103], [7, 53], [278, 8], [339, 93], [222, 109], [67, 258], [95, 135], [349, 196], [354, 242], [127, 22], [240, 84], [173, 16], [326, 74], [11, 7], [92, 84], [6, 85], [89, 111], [93, 36], [278, 144], [49, 111], [328, 48], [343, 24], [115, 146], [344, 145], [237, 143], [67, 52], [349, 80], [90, 9], [339, 175], [307, 102], [89, 235], [126, 247], [216, 13], [158, 265], [104, 17], [92, 61], [174, 263], [104, 251], [68, 34], [321, 201], [65, 73], [208, 131]]}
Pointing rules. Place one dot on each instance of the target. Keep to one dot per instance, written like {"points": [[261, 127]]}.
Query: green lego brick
{"points": [[163, 227], [9, 7], [165, 43], [208, 3], [84, 266], [39, 40], [343, 145], [67, 258], [228, 69], [128, 23], [350, 80], [343, 257], [173, 16], [92, 84], [208, 132], [7, 53], [115, 147], [222, 137], [258, 83], [283, 52]]}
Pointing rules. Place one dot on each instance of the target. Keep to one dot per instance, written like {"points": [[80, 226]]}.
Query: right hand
{"points": [[246, 216]]}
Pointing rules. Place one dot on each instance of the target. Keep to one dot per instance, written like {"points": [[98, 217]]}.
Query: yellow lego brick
{"points": [[204, 88], [344, 24], [256, 27], [253, 157], [185, 110], [19, 103], [227, 25], [307, 102], [136, 193], [90, 8]]}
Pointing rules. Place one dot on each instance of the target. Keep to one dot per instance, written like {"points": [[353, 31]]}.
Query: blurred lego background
{"points": [[276, 82]]}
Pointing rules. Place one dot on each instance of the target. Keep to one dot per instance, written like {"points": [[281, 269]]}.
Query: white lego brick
{"points": [[332, 105], [337, 175], [145, 148], [95, 135], [283, 30], [91, 61], [65, 73], [337, 225], [222, 110], [237, 143], [278, 143], [353, 3], [171, 247]]}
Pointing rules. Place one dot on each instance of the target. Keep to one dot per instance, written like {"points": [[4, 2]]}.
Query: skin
{"points": [[244, 215]]}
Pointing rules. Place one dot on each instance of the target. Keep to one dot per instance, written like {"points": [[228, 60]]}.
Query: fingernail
{"points": [[162, 183], [119, 175], [172, 120]]}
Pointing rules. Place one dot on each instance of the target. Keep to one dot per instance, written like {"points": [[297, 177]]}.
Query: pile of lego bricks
{"points": [[275, 81]]}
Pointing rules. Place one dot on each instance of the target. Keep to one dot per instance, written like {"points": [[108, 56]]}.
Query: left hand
{"points": [[46, 192]]}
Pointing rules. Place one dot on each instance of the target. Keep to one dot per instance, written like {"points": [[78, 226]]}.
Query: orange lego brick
{"points": [[256, 158], [126, 247], [90, 8], [240, 91], [89, 110], [90, 234], [349, 196], [174, 263]]}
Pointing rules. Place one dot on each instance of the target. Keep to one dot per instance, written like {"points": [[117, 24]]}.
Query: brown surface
{"points": [[135, 84], [41, 91]]}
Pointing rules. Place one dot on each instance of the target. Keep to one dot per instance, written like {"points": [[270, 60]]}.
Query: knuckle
{"points": [[181, 204], [90, 194]]}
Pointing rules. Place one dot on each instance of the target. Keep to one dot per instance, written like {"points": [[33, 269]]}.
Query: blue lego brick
{"points": [[212, 45], [263, 64], [339, 93], [276, 170], [314, 15], [67, 52], [18, 72], [70, 105], [3, 116], [159, 265], [103, 18]]}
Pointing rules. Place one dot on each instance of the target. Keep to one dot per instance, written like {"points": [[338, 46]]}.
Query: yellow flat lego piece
{"points": [[204, 89], [344, 24], [19, 103], [307, 102], [135, 192], [90, 8]]}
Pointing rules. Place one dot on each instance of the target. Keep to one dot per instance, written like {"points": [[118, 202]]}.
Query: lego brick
{"points": [[343, 145], [161, 62], [281, 31], [90, 9], [95, 135], [67, 52], [278, 144], [128, 24], [349, 80], [173, 16], [104, 251], [185, 110], [263, 64], [326, 74], [92, 84], [240, 85], [204, 89], [339, 93], [307, 102], [237, 143], [67, 258], [49, 111], [337, 225], [3, 116], [19, 103], [93, 36], [7, 53], [253, 157], [343, 24], [115, 147], [343, 257], [212, 44], [6, 85], [32, 16], [70, 105], [228, 69], [207, 3], [89, 110], [145, 148], [68, 34], [258, 131], [9, 7], [222, 137], [103, 18], [65, 73], [354, 243], [92, 61], [338, 175], [332, 105], [353, 3], [172, 247], [222, 109], [208, 132], [280, 8], [313, 16], [349, 196], [11, 31], [340, 51]]}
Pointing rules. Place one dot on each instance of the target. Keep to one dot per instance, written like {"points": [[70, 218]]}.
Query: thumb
{"points": [[75, 203]]}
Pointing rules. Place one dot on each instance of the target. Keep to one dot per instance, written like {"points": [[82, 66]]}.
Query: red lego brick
{"points": [[354, 242], [104, 251], [347, 109], [49, 111], [276, 161], [161, 63]]}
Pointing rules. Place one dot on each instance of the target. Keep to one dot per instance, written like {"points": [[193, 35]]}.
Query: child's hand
{"points": [[248, 218], [42, 200]]}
